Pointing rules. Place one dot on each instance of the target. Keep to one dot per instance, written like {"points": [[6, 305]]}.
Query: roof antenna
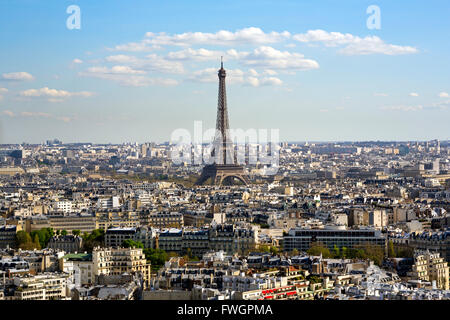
{"points": [[221, 62]]}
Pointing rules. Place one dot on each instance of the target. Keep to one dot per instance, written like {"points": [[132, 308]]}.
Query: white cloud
{"points": [[115, 70], [353, 45], [443, 95], [250, 35], [413, 94], [53, 95], [134, 47], [77, 61], [28, 114], [122, 58], [45, 115], [402, 108], [17, 76], [194, 54], [270, 81], [270, 72], [268, 57], [126, 76], [209, 75], [8, 113], [444, 105], [2, 90], [151, 62], [380, 94]]}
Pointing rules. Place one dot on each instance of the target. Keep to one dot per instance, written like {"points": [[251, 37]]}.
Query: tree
{"points": [[295, 252], [391, 251], [64, 232], [94, 239], [76, 232], [318, 249], [344, 253], [36, 242], [157, 257], [374, 253], [44, 236], [132, 244], [273, 250], [336, 252], [264, 248], [189, 252], [22, 237]]}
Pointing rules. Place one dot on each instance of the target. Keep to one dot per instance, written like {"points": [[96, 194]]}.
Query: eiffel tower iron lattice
{"points": [[225, 165]]}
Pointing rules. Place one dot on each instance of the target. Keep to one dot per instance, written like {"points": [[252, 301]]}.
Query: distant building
{"points": [[114, 237], [79, 267], [67, 243], [108, 203], [301, 239], [429, 266], [116, 261], [8, 236], [47, 286]]}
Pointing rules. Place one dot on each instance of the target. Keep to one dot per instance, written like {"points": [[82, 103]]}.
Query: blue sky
{"points": [[138, 70]]}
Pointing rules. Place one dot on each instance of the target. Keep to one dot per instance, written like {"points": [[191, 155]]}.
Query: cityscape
{"points": [[224, 214]]}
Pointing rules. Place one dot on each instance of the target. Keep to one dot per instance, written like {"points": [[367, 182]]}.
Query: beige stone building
{"points": [[116, 261], [41, 287], [429, 266]]}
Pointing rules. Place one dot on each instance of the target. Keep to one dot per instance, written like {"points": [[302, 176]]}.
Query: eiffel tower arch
{"points": [[224, 167]]}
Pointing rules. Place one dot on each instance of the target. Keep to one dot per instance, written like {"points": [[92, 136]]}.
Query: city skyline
{"points": [[317, 74]]}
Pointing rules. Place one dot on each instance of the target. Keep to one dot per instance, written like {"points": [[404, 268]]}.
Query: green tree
{"points": [[132, 244], [36, 242], [344, 253], [95, 239], [295, 252], [273, 250], [189, 253], [317, 249], [336, 252], [374, 253], [76, 232], [23, 237], [64, 232], [391, 251], [157, 257], [44, 236]]}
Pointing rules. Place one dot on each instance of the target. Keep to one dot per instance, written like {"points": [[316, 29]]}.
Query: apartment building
{"points": [[116, 219], [116, 261], [84, 223], [47, 286], [429, 266], [79, 267], [8, 236], [67, 243], [301, 239]]}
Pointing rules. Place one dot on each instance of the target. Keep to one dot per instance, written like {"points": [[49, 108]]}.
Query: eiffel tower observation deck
{"points": [[224, 170]]}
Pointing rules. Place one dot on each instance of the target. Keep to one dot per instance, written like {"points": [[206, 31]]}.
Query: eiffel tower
{"points": [[225, 167]]}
